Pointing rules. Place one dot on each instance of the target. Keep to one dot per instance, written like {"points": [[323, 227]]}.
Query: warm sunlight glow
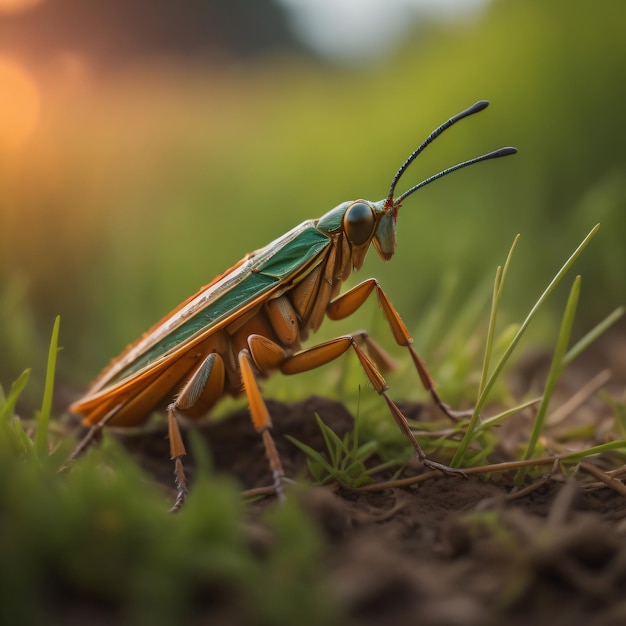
{"points": [[17, 6], [19, 104]]}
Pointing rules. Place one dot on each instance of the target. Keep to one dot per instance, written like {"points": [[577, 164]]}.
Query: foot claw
{"points": [[279, 485], [455, 415], [181, 485], [443, 468]]}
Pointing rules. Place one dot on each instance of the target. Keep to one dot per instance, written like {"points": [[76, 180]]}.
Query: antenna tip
{"points": [[475, 108], [506, 151], [479, 106]]}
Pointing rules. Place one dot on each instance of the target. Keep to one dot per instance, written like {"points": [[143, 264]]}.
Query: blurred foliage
{"points": [[97, 546], [91, 542], [139, 186]]}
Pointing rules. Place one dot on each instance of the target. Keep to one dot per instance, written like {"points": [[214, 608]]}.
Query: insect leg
{"points": [[93, 434], [205, 384], [349, 302], [328, 351], [261, 419]]}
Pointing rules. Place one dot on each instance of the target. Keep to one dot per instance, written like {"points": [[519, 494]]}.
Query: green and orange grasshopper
{"points": [[251, 321]]}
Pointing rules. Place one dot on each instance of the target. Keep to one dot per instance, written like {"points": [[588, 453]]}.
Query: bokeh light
{"points": [[19, 104], [9, 7]]}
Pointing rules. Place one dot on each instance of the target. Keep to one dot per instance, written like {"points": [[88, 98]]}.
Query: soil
{"points": [[449, 551]]}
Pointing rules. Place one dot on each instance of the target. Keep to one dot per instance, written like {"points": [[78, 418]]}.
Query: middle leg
{"points": [[328, 351]]}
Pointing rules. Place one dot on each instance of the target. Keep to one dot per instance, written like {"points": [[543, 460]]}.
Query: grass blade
{"points": [[43, 417], [8, 408], [556, 367], [592, 335], [483, 394], [336, 447]]}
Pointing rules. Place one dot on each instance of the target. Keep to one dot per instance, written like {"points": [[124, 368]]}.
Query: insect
{"points": [[251, 321]]}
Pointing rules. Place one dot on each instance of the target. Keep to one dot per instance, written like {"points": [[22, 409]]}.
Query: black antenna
{"points": [[496, 154], [475, 108]]}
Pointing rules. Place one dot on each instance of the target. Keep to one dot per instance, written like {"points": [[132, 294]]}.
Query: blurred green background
{"points": [[144, 151]]}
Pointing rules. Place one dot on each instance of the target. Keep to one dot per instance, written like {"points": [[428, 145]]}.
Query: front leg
{"points": [[346, 304]]}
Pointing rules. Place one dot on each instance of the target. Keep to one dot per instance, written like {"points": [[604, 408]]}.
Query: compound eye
{"points": [[358, 222]]}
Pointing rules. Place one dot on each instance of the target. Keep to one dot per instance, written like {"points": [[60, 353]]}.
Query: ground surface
{"points": [[452, 551], [448, 552]]}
